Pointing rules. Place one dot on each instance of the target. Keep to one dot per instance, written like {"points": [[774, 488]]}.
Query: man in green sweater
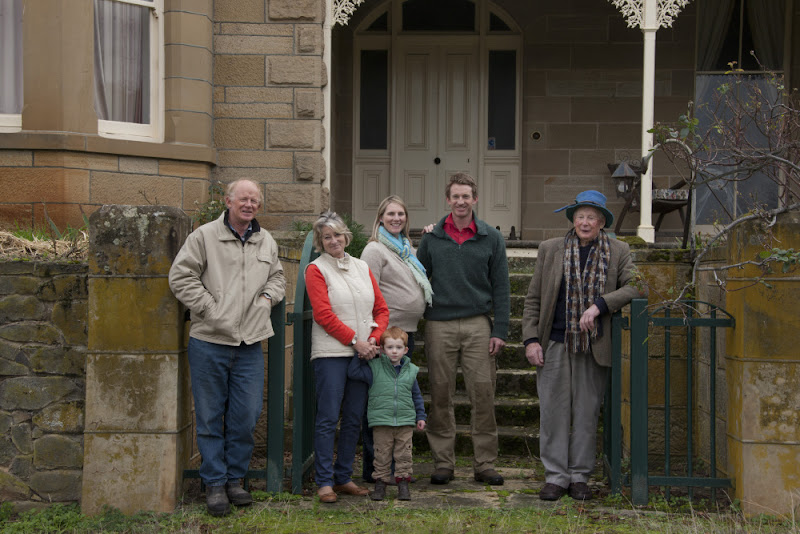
{"points": [[466, 261]]}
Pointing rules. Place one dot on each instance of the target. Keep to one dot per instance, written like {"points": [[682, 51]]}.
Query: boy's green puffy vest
{"points": [[390, 400]]}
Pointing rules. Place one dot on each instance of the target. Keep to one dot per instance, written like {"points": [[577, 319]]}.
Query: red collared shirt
{"points": [[460, 236]]}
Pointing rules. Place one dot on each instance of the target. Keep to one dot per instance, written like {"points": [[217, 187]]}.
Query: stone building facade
{"points": [[277, 91]]}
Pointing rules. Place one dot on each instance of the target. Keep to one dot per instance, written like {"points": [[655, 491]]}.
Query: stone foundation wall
{"points": [[43, 338]]}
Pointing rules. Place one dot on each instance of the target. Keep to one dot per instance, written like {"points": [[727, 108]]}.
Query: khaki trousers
{"points": [[448, 344], [392, 441], [570, 388]]}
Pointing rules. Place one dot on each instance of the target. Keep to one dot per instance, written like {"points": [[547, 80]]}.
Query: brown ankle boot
{"points": [[403, 493], [380, 491]]}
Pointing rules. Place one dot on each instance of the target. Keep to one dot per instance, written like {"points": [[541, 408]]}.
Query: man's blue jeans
{"points": [[336, 394], [228, 390]]}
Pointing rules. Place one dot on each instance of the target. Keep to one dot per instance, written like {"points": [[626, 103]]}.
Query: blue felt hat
{"points": [[593, 199]]}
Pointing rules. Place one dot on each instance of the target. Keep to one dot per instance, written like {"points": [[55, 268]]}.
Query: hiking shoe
{"points": [[237, 495], [217, 501], [552, 492], [489, 476], [580, 491], [442, 476], [403, 493], [380, 491]]}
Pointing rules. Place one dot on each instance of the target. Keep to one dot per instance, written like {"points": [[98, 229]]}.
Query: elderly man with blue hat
{"points": [[579, 281]]}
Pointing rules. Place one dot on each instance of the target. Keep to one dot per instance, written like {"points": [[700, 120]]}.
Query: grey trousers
{"points": [[571, 388]]}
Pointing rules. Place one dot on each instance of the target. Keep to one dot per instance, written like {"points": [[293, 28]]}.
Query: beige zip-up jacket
{"points": [[222, 281]]}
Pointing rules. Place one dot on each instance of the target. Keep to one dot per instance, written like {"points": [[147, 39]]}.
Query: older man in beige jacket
{"points": [[229, 276]]}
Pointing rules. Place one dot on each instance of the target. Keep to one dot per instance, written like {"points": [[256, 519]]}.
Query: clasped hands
{"points": [[367, 350]]}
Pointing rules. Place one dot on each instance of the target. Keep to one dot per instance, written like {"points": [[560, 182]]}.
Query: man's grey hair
{"points": [[231, 189]]}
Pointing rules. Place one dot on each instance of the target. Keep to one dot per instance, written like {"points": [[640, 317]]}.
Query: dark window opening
{"points": [[374, 91]]}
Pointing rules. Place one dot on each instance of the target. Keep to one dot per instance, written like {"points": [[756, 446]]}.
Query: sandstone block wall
{"points": [[79, 183], [268, 103], [763, 372], [662, 269], [43, 340]]}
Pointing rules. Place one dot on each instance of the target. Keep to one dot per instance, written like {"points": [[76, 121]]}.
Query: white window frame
{"points": [[153, 132], [12, 122]]}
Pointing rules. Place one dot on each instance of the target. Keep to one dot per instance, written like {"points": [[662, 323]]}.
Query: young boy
{"points": [[395, 406]]}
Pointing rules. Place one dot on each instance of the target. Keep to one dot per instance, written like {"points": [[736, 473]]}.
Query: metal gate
{"points": [[694, 315]]}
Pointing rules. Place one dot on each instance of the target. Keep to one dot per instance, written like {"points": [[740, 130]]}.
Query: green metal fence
{"points": [[304, 406], [693, 315]]}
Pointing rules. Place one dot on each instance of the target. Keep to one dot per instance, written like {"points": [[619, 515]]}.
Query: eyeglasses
{"points": [[587, 218]]}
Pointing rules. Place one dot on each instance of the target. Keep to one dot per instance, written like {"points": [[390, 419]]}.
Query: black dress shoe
{"points": [[489, 476], [442, 476], [580, 491], [552, 492]]}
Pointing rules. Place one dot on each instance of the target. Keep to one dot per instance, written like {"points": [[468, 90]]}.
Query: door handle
{"points": [[437, 160]]}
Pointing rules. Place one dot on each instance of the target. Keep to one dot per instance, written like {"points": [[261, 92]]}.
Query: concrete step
{"points": [[519, 383], [512, 441], [508, 411]]}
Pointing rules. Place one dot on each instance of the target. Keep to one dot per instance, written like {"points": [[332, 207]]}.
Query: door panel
{"points": [[437, 102], [440, 110]]}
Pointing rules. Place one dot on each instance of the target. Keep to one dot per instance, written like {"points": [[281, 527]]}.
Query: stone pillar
{"points": [[763, 374], [137, 434]]}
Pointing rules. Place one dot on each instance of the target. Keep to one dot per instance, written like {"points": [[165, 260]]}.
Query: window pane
{"points": [[380, 25], [439, 15], [374, 99], [502, 99], [730, 29], [11, 56], [745, 122], [496, 24], [122, 61]]}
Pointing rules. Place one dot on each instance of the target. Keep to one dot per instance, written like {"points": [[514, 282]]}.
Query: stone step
{"points": [[519, 283], [510, 382], [512, 441], [509, 411]]}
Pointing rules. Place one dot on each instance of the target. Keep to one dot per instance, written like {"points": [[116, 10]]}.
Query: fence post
{"points": [[276, 346], [638, 388]]}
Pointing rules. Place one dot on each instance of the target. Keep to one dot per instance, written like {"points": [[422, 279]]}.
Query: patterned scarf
{"points": [[402, 247], [583, 287]]}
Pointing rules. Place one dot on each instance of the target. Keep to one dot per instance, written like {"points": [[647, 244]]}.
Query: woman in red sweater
{"points": [[350, 315]]}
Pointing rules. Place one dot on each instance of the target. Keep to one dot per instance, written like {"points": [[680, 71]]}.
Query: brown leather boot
{"points": [[403, 493], [380, 491]]}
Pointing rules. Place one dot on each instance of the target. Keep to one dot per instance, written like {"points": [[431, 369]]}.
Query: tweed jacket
{"points": [[540, 302]]}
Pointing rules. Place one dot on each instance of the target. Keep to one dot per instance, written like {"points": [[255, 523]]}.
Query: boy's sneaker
{"points": [[403, 493], [380, 491]]}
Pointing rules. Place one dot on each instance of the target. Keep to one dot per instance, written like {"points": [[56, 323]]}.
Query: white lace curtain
{"points": [[11, 56], [122, 61]]}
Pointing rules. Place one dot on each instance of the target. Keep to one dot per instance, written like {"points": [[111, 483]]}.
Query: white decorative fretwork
{"points": [[343, 10], [666, 11]]}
